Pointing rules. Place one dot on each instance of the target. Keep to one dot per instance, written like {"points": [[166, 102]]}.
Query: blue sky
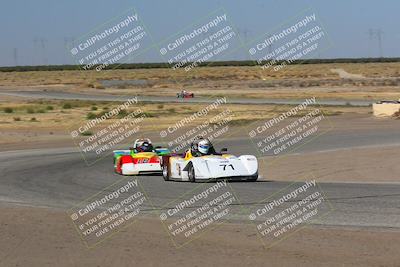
{"points": [[35, 32]]}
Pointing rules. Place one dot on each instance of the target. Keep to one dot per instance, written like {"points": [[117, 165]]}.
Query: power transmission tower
{"points": [[67, 42], [43, 45], [35, 51], [245, 34], [15, 54], [270, 47], [378, 35]]}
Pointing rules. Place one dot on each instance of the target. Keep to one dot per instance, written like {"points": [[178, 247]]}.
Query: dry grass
{"points": [[304, 71], [53, 126], [382, 80], [158, 116]]}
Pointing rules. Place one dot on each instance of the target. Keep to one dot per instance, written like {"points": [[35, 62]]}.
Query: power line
{"points": [[377, 34], [43, 46], [35, 51], [15, 55]]}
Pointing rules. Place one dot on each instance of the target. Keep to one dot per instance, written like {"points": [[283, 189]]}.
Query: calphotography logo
{"points": [[114, 43], [109, 211], [296, 40], [290, 130], [282, 214], [211, 121], [97, 137], [209, 39], [198, 211]]}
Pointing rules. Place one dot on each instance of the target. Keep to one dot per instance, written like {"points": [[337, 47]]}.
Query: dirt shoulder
{"points": [[358, 165], [43, 237]]}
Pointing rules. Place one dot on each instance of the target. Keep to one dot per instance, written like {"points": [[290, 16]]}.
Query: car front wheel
{"points": [[253, 178], [191, 174]]}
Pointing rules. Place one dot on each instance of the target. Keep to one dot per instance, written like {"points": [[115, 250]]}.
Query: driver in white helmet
{"points": [[202, 147], [144, 146]]}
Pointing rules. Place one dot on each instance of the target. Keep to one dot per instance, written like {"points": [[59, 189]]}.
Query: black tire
{"points": [[165, 172], [253, 178], [191, 174], [115, 166]]}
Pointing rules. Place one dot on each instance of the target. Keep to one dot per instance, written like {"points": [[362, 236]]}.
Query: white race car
{"points": [[210, 167]]}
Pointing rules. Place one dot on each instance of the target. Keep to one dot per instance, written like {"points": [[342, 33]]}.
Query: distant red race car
{"points": [[184, 94]]}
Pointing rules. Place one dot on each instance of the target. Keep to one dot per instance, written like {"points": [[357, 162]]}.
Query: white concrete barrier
{"points": [[386, 108]]}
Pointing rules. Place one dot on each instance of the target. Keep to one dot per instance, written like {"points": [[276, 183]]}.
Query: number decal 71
{"points": [[225, 165]]}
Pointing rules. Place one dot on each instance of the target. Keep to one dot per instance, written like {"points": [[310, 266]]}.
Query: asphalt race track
{"points": [[76, 96], [59, 178]]}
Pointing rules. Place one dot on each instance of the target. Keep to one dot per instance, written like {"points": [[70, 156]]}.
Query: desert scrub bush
{"points": [[17, 119], [67, 106], [8, 110], [149, 115], [122, 114], [93, 108], [95, 85], [49, 107], [34, 119], [91, 116], [87, 133]]}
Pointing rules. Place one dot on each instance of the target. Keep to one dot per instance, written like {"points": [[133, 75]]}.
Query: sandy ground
{"points": [[43, 237], [345, 75], [368, 165]]}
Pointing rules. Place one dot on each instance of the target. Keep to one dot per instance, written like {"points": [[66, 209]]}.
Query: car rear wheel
{"points": [[165, 172], [191, 174], [116, 165]]}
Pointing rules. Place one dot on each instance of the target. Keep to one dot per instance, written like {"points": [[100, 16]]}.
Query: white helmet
{"points": [[203, 146]]}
